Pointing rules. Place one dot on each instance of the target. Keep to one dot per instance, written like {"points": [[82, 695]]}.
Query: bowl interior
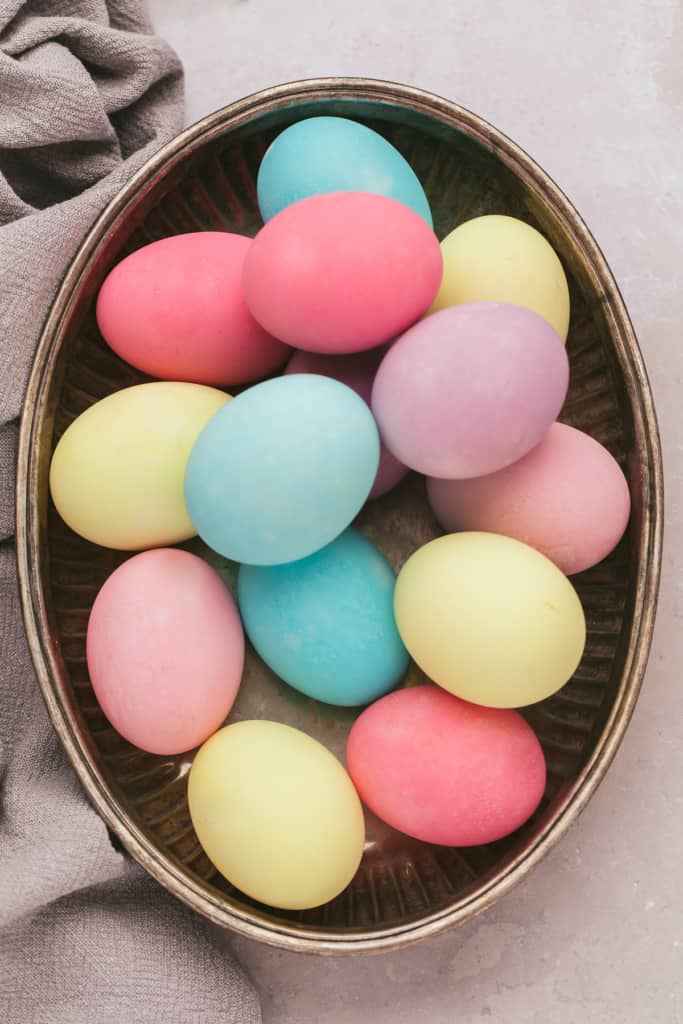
{"points": [[401, 884]]}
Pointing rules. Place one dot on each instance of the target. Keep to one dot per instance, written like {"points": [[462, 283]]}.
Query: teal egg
{"points": [[333, 154], [284, 471], [325, 624]]}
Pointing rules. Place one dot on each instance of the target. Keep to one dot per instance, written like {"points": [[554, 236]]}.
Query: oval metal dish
{"points": [[205, 179]]}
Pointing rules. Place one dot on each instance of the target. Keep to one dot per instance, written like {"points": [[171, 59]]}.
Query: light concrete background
{"points": [[593, 89]]}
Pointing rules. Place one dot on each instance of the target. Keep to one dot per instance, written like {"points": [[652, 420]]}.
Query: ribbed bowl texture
{"points": [[205, 180]]}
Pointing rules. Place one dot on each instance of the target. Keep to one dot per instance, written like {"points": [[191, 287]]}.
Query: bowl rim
{"points": [[252, 923]]}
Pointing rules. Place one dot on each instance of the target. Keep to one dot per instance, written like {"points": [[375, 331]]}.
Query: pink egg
{"points": [[567, 497], [175, 310], [470, 389], [445, 771], [165, 650], [357, 371], [342, 272]]}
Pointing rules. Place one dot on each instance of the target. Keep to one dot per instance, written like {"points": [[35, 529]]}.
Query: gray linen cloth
{"points": [[86, 94]]}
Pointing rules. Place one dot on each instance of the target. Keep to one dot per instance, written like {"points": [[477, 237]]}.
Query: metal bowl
{"points": [[205, 179]]}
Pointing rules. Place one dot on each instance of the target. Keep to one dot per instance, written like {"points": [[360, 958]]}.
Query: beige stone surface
{"points": [[594, 91]]}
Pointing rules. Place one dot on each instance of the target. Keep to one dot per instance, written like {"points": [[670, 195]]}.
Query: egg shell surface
{"points": [[445, 771], [117, 473], [342, 272], [495, 258], [285, 473], [567, 497], [175, 309], [276, 813], [489, 619], [165, 650], [335, 154], [357, 371], [470, 389], [325, 624]]}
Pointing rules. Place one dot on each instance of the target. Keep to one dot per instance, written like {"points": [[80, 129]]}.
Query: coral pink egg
{"points": [[470, 389], [445, 771], [175, 310], [567, 497], [342, 272], [357, 371], [165, 650]]}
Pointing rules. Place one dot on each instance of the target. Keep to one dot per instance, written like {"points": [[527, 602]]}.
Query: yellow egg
{"points": [[117, 472], [277, 814], [502, 259], [489, 619]]}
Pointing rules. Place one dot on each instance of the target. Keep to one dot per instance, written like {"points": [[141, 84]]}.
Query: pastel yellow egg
{"points": [[276, 813], [501, 259], [489, 619], [117, 473]]}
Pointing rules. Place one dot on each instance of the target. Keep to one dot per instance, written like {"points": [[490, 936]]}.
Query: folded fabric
{"points": [[87, 93]]}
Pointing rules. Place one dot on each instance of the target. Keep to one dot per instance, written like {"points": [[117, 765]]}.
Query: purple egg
{"points": [[470, 389], [357, 371]]}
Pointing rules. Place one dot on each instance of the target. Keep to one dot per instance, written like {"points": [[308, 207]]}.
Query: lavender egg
{"points": [[470, 389]]}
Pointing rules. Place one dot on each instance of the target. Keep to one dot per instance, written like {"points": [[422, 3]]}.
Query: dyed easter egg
{"points": [[285, 472], [489, 619], [501, 259], [117, 473], [175, 309], [342, 272], [357, 371], [165, 650], [470, 389], [333, 154], [276, 814], [567, 497], [325, 624], [445, 771]]}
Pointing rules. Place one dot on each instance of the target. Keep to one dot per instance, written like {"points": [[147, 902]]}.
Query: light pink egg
{"points": [[470, 389], [165, 650], [445, 771], [175, 309], [357, 371], [342, 272], [567, 497]]}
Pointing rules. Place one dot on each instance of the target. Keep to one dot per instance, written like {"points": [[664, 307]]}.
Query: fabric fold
{"points": [[87, 94]]}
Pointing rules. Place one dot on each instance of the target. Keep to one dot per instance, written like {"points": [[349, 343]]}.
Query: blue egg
{"points": [[333, 154], [282, 469], [326, 624]]}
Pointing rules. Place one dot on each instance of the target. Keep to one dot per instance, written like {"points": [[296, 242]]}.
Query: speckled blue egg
{"points": [[285, 472], [333, 154], [325, 624]]}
